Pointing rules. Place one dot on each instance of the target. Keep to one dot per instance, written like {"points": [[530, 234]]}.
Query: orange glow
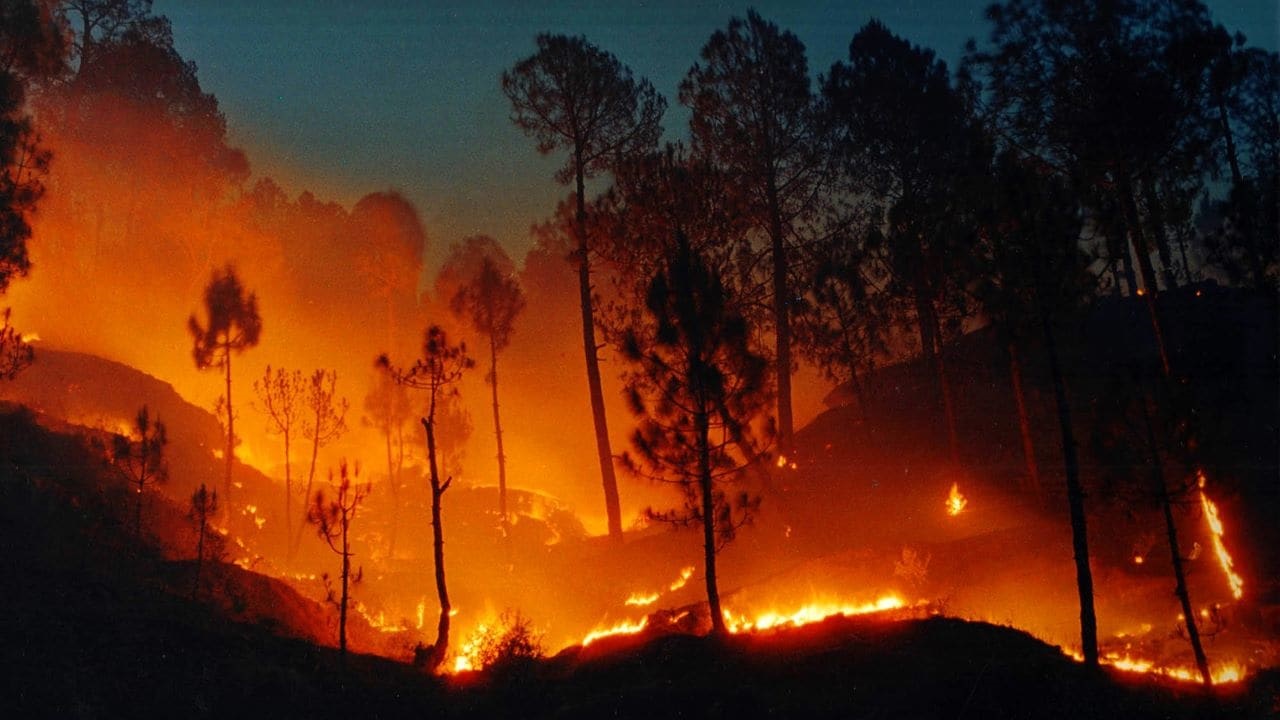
{"points": [[679, 582], [806, 614], [642, 599], [1230, 671], [955, 501], [1138, 559], [1217, 530], [625, 627]]}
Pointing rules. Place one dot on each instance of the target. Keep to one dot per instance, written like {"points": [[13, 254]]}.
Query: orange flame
{"points": [[955, 501], [811, 613], [679, 582], [1231, 671], [1217, 530], [641, 599], [625, 627]]}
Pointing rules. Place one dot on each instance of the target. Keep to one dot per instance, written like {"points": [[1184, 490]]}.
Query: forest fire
{"points": [[1221, 673], [624, 627], [1217, 531], [806, 614], [956, 502], [743, 337]]}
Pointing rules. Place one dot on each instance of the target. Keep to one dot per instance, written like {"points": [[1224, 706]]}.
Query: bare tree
{"points": [[204, 504], [332, 520], [572, 95], [437, 372], [141, 457], [232, 326], [324, 422], [281, 396]]}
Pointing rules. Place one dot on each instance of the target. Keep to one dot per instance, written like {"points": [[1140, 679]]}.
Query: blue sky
{"points": [[344, 98]]}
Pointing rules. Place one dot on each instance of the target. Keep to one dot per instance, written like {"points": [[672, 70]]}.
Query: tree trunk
{"points": [[1179, 576], [137, 517], [1236, 177], [701, 427], [1075, 502], [311, 476], [288, 490], [342, 606], [1158, 234], [441, 647], [948, 400], [1024, 423], [1148, 270], [231, 425], [393, 481], [603, 451], [195, 590], [497, 431], [781, 320]]}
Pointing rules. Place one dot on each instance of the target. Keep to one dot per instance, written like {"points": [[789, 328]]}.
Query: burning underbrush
{"points": [[845, 533]]}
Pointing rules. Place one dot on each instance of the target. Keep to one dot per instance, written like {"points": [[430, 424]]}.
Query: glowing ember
{"points": [[679, 582], [642, 599], [623, 628], [955, 501], [1138, 559], [782, 461], [1215, 526], [815, 612], [422, 610]]}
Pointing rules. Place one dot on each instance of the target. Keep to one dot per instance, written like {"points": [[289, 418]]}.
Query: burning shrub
{"points": [[509, 646]]}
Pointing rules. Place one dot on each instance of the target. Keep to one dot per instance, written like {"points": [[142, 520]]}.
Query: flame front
{"points": [[626, 627], [811, 613], [1217, 531], [955, 501]]}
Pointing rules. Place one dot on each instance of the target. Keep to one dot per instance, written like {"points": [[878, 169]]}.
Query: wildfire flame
{"points": [[642, 599], [1217, 530], [679, 582], [625, 627], [1230, 671], [811, 613], [955, 501], [468, 657]]}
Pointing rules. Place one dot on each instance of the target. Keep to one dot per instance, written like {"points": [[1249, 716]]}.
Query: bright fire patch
{"points": [[1216, 528], [955, 501]]}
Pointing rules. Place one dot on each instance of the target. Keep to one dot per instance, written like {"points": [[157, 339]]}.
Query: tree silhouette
{"points": [[31, 49], [16, 354], [697, 388], [574, 96], [204, 504], [907, 143], [846, 328], [437, 372], [141, 456], [324, 420], [281, 395], [753, 115], [332, 520], [1036, 276], [1244, 240], [232, 326], [489, 300]]}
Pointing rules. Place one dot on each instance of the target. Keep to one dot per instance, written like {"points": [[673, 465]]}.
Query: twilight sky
{"points": [[344, 98]]}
